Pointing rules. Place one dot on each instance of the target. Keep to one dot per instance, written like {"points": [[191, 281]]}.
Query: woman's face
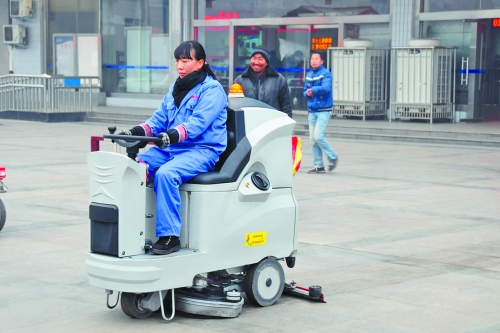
{"points": [[187, 66]]}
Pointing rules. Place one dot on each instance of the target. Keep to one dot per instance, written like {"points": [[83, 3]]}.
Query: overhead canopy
{"points": [[329, 11]]}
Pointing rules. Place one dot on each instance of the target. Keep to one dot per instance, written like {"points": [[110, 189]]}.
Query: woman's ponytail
{"points": [[206, 68]]}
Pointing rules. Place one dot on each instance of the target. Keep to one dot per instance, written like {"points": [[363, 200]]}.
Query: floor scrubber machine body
{"points": [[238, 223]]}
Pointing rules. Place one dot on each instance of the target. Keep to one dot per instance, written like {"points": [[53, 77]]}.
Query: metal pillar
{"points": [[175, 34], [474, 103], [11, 69], [187, 20]]}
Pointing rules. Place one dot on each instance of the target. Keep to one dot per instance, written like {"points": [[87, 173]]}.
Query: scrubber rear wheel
{"points": [[264, 282]]}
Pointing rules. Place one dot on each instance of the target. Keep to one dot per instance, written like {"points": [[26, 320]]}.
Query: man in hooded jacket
{"points": [[261, 81]]}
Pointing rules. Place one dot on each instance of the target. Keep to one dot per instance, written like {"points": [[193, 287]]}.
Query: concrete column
{"points": [[175, 35], [30, 60], [4, 50], [187, 20], [402, 28], [402, 22], [341, 34]]}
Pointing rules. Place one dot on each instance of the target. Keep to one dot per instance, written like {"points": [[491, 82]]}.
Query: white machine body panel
{"points": [[115, 179]]}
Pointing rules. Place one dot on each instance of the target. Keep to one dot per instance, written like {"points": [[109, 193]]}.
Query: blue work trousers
{"points": [[172, 167], [317, 125]]}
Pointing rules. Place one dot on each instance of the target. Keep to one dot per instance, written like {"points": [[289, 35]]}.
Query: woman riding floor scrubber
{"points": [[238, 222]]}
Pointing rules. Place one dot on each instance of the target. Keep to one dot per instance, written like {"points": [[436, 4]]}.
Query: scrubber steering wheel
{"points": [[131, 142]]}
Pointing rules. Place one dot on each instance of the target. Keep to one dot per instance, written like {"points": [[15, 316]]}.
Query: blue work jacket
{"points": [[320, 81], [202, 112]]}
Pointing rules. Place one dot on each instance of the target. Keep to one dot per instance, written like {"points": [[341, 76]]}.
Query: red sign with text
{"points": [[223, 16], [322, 43]]}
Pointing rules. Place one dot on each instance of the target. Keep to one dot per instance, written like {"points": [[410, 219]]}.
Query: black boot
{"points": [[166, 245]]}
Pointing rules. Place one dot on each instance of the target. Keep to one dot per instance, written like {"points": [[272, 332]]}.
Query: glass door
{"points": [[290, 47], [295, 45], [477, 84], [478, 89], [216, 42], [294, 49], [246, 38], [455, 34], [322, 38], [138, 77], [489, 85]]}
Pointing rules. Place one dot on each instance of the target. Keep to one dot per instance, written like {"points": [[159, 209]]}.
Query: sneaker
{"points": [[333, 164], [317, 170], [166, 245]]}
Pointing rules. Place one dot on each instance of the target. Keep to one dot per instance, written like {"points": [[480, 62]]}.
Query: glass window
{"points": [[230, 9], [289, 47], [454, 5], [377, 32], [292, 48], [215, 40], [478, 58], [452, 34], [135, 46], [70, 17], [246, 39], [491, 54]]}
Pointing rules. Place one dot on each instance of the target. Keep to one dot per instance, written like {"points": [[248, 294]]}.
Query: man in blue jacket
{"points": [[318, 91]]}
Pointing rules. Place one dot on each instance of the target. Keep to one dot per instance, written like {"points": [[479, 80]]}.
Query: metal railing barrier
{"points": [[48, 94]]}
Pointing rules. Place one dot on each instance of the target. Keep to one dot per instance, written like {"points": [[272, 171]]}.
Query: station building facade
{"points": [[131, 41]]}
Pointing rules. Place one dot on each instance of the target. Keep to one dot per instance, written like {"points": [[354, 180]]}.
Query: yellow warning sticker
{"points": [[256, 238]]}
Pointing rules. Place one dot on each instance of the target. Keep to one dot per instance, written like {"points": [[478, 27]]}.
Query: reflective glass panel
{"points": [[246, 39], [456, 5], [70, 17], [135, 46], [453, 34], [227, 9], [289, 47], [215, 40], [377, 32]]}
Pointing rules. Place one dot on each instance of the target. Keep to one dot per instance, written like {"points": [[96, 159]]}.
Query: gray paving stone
{"points": [[402, 237]]}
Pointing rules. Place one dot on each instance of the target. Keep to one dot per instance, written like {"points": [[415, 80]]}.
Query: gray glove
{"points": [[125, 132], [135, 131], [165, 140]]}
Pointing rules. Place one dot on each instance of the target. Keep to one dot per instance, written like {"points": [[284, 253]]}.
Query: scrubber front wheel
{"points": [[3, 215], [264, 282], [131, 306]]}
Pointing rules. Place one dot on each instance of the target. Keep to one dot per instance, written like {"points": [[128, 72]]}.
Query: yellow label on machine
{"points": [[256, 238]]}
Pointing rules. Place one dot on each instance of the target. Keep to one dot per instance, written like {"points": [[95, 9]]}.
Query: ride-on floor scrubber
{"points": [[238, 223]]}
